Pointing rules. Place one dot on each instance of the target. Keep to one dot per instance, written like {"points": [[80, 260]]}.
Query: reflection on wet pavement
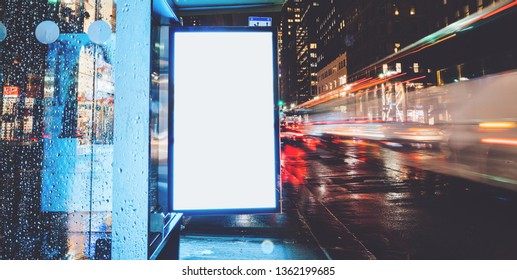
{"points": [[350, 199], [401, 211], [249, 237]]}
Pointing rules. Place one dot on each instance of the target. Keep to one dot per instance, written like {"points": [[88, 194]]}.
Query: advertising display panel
{"points": [[223, 120]]}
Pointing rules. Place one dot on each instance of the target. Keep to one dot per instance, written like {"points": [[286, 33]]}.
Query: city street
{"points": [[258, 130], [398, 210]]}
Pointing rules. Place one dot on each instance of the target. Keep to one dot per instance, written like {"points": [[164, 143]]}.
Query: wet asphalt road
{"points": [[399, 211]]}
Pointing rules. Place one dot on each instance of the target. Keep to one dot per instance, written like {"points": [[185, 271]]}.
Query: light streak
{"points": [[500, 10], [497, 125], [500, 141]]}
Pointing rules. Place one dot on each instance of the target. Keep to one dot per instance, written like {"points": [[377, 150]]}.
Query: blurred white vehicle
{"points": [[483, 138]]}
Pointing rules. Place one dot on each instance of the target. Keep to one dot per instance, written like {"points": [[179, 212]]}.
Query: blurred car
{"points": [[399, 132], [413, 133], [288, 134]]}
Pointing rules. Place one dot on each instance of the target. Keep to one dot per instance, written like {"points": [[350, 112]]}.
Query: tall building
{"points": [[299, 51], [307, 52], [315, 33], [368, 31], [446, 12], [289, 22], [390, 56], [333, 75], [331, 35]]}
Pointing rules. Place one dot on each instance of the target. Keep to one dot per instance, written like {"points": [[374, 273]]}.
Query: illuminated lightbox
{"points": [[224, 146]]}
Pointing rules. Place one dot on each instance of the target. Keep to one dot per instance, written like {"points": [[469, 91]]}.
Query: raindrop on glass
{"points": [[99, 31], [47, 32], [3, 32], [267, 246]]}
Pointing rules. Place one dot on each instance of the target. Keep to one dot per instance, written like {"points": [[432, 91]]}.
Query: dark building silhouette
{"points": [[365, 30], [298, 82]]}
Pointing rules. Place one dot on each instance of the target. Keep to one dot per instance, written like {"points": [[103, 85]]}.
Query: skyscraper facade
{"points": [[315, 33], [299, 51]]}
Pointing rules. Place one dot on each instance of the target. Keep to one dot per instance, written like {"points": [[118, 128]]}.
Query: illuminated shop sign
{"points": [[11, 91], [223, 134]]}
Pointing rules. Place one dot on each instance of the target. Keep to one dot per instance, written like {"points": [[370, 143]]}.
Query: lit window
{"points": [[342, 80], [397, 46], [412, 11], [415, 67]]}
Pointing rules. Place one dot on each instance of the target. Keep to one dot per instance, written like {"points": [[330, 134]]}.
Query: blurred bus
{"points": [[456, 87]]}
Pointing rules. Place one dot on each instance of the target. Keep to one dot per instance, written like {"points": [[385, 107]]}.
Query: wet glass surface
{"points": [[56, 133]]}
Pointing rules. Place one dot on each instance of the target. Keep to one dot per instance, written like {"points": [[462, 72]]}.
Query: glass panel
{"points": [[56, 132], [159, 204], [158, 195]]}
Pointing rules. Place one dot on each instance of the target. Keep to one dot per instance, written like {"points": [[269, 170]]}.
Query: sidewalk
{"points": [[305, 230]]}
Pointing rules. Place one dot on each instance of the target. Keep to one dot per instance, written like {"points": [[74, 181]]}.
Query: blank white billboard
{"points": [[224, 150]]}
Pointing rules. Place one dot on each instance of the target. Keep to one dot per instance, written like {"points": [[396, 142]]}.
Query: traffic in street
{"points": [[396, 206]]}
